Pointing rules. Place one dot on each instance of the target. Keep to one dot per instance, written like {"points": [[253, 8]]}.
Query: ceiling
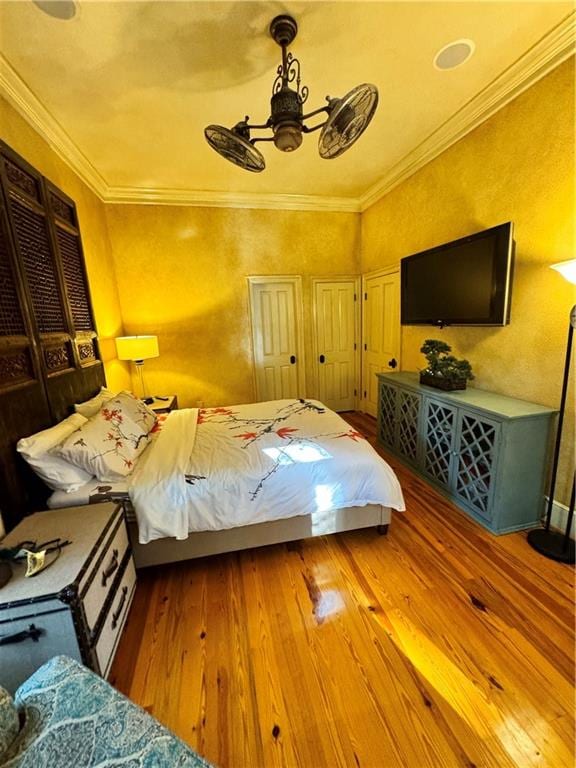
{"points": [[127, 87]]}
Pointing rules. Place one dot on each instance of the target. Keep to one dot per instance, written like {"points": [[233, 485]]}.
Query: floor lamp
{"points": [[553, 544], [137, 349]]}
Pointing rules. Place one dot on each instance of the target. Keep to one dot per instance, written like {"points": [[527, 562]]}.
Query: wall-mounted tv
{"points": [[465, 282]]}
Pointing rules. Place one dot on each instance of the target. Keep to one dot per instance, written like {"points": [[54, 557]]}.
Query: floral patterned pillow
{"points": [[9, 722], [135, 409], [108, 445]]}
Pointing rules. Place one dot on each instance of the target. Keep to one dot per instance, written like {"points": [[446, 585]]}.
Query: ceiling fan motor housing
{"points": [[286, 119]]}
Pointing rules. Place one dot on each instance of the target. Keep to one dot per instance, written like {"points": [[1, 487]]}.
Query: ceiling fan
{"points": [[348, 117]]}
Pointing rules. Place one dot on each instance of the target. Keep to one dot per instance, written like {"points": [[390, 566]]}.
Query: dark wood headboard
{"points": [[49, 354]]}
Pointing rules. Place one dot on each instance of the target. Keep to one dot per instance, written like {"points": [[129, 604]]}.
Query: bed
{"points": [[229, 478]]}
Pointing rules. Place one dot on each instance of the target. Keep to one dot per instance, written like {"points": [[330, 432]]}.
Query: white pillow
{"points": [[90, 407], [58, 474], [135, 409], [107, 445]]}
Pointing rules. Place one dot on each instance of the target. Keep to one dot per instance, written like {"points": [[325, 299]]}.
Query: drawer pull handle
{"points": [[32, 633], [107, 572], [116, 616]]}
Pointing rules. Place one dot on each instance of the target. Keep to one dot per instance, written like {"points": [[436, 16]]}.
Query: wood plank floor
{"points": [[437, 645]]}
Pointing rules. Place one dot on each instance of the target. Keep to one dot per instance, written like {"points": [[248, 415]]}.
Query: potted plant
{"points": [[444, 371]]}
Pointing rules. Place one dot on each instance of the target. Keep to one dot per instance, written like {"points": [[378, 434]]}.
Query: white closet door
{"points": [[381, 331], [276, 308], [335, 334]]}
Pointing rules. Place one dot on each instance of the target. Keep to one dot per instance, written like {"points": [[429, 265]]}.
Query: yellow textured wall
{"points": [[182, 274], [18, 134], [517, 166]]}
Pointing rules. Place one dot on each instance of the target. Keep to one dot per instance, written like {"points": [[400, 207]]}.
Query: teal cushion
{"points": [[74, 719], [9, 723]]}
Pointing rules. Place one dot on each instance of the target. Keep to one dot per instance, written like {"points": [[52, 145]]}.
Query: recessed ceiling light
{"points": [[58, 9], [454, 54]]}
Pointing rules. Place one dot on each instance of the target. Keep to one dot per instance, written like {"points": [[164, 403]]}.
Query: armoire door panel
{"points": [[11, 317], [70, 256], [19, 365], [33, 244]]}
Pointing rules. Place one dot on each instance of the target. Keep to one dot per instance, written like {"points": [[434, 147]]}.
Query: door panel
{"points": [[381, 333], [336, 328], [274, 308], [438, 445], [473, 475]]}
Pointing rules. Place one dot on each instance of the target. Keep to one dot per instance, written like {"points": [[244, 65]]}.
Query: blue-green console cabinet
{"points": [[487, 452]]}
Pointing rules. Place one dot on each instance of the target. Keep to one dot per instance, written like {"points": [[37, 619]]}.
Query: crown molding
{"points": [[153, 196], [548, 53], [35, 113]]}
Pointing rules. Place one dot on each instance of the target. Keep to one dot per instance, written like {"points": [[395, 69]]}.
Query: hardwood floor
{"points": [[437, 645]]}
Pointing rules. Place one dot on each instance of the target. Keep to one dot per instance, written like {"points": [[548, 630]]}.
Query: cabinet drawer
{"points": [[102, 576], [115, 619]]}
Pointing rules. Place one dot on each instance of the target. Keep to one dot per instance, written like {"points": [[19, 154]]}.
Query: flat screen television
{"points": [[465, 282]]}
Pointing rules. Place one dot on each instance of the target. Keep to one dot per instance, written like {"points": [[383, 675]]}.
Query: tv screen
{"points": [[465, 282]]}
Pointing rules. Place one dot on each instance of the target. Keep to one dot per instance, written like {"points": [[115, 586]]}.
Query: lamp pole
{"points": [[553, 544]]}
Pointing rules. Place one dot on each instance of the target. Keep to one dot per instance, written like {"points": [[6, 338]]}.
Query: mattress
{"points": [[93, 492]]}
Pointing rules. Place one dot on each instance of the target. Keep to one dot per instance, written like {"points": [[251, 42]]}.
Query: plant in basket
{"points": [[444, 371]]}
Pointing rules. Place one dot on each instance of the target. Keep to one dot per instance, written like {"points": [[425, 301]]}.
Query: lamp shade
{"points": [[137, 347], [567, 269]]}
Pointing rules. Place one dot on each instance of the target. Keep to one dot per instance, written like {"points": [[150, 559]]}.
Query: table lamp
{"points": [[552, 544], [137, 349]]}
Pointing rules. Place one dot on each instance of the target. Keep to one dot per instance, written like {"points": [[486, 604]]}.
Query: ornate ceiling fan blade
{"points": [[348, 120], [234, 148]]}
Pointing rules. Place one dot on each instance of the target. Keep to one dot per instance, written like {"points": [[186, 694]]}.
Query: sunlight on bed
{"points": [[302, 453], [324, 518], [324, 498]]}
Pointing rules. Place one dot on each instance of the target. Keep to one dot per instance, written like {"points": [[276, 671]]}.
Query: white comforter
{"points": [[227, 467]]}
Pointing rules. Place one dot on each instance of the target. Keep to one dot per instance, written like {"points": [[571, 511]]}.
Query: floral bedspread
{"points": [[218, 468]]}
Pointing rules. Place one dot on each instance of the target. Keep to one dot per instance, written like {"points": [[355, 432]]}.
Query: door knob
{"points": [[292, 359], [322, 358], [392, 363]]}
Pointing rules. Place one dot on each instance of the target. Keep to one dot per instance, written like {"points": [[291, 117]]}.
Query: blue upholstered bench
{"points": [[74, 719]]}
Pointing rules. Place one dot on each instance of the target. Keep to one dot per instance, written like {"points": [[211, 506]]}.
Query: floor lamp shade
{"points": [[552, 544], [138, 349]]}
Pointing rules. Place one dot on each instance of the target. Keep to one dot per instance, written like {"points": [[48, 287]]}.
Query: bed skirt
{"points": [[206, 543]]}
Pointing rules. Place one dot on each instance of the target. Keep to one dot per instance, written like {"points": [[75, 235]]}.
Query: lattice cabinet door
{"points": [[63, 221], [387, 415], [408, 424], [25, 204], [46, 236], [17, 358], [439, 432], [474, 474]]}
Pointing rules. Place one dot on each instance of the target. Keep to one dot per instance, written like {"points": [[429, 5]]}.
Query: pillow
{"points": [[91, 407], [58, 474], [107, 445], [135, 409], [9, 721]]}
